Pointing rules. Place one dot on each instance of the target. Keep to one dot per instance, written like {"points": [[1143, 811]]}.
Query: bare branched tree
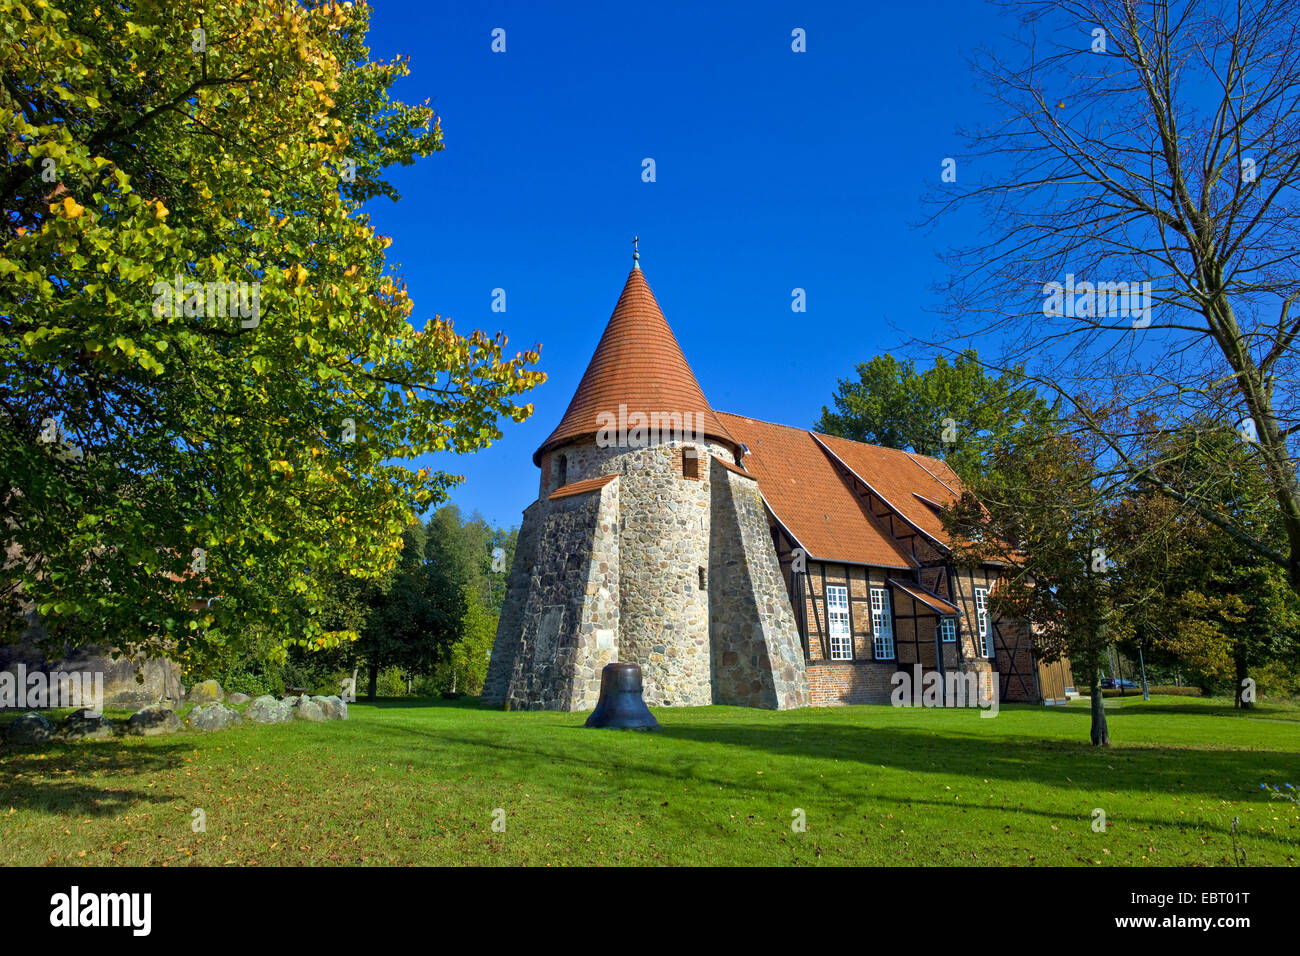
{"points": [[1146, 142]]}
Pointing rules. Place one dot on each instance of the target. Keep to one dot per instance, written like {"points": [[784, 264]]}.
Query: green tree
{"points": [[155, 448], [1216, 606], [954, 411], [505, 540], [488, 576], [413, 617], [1044, 515], [464, 667]]}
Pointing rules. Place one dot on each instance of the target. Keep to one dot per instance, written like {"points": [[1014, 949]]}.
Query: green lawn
{"points": [[403, 783]]}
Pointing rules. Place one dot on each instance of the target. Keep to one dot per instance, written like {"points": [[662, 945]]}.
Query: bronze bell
{"points": [[621, 706]]}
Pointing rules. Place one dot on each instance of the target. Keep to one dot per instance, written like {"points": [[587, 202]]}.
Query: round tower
{"points": [[639, 414]]}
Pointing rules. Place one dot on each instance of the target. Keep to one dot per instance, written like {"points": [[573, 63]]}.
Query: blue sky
{"points": [[774, 170]]}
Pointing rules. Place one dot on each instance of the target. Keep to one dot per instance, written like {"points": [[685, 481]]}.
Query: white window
{"points": [[837, 614], [948, 629], [983, 626], [882, 628]]}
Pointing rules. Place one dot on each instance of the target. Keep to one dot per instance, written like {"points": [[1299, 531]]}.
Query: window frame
{"points": [[984, 623], [882, 624], [840, 644], [947, 630]]}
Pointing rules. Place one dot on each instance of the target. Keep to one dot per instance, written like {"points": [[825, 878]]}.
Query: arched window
{"points": [[561, 471]]}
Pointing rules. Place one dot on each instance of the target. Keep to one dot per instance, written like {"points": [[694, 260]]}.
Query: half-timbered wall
{"points": [[858, 580], [866, 680], [1013, 651]]}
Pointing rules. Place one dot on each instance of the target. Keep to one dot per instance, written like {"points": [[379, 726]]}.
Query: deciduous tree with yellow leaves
{"points": [[210, 374]]}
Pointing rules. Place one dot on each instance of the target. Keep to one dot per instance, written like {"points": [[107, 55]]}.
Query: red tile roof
{"points": [[637, 363], [800, 484], [903, 479], [581, 487]]}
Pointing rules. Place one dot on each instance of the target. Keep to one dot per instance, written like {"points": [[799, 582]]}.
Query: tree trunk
{"points": [[1100, 734], [1238, 701], [374, 680], [1254, 385]]}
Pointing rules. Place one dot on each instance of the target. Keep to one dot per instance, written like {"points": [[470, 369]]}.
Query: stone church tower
{"points": [[648, 543]]}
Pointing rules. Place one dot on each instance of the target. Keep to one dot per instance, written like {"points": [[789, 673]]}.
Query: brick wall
{"points": [[864, 682]]}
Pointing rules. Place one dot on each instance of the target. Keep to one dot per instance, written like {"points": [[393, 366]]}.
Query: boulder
{"points": [[79, 725], [237, 698], [213, 716], [205, 692], [308, 709], [333, 707], [153, 720], [127, 681], [268, 710], [29, 729]]}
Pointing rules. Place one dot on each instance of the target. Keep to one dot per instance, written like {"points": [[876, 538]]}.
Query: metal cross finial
{"points": [[636, 256]]}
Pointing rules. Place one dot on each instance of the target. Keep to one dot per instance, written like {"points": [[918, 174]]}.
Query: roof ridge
{"points": [[933, 475], [763, 421], [853, 441]]}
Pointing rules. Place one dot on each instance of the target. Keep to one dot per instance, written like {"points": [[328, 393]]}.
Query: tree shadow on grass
{"points": [[1225, 774], [1062, 765], [58, 779], [525, 760], [553, 763], [1136, 705]]}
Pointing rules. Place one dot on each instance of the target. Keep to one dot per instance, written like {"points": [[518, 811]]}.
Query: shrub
{"points": [[1278, 679], [391, 683], [252, 678], [429, 685]]}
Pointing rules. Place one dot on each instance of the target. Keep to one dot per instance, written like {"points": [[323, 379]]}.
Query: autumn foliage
{"points": [[187, 475]]}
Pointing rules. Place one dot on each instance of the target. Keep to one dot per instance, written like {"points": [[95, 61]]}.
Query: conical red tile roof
{"points": [[638, 363]]}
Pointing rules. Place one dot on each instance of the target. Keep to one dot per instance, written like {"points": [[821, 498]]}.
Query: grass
{"points": [[417, 783]]}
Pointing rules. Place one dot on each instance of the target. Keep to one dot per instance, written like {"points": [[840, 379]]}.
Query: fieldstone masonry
{"points": [[565, 619], [757, 657], [678, 575]]}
